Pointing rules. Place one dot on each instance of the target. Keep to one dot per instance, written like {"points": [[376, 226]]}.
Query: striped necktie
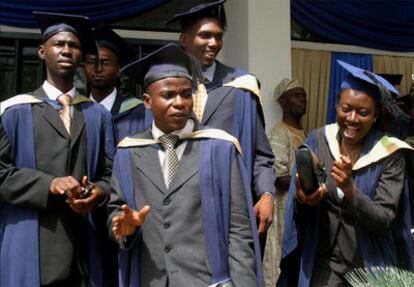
{"points": [[168, 142], [64, 112]]}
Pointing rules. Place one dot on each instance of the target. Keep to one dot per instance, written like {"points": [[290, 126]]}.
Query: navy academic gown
{"points": [[129, 120], [25, 177], [215, 172], [394, 247], [238, 112]]}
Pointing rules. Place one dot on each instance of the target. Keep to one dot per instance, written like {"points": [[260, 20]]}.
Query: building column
{"points": [[258, 40]]}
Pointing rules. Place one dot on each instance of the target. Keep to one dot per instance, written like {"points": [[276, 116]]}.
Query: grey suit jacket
{"points": [[173, 247]]}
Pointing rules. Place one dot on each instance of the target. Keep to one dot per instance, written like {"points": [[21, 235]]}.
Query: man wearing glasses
{"points": [[103, 74]]}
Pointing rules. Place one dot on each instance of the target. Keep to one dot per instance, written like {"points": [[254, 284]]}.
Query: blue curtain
{"points": [[18, 13], [338, 73], [379, 24]]}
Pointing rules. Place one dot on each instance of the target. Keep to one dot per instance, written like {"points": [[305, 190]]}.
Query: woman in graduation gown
{"points": [[360, 217]]}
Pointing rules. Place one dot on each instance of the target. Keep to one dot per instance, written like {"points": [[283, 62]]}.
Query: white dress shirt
{"points": [[179, 150], [208, 73], [109, 100], [53, 93]]}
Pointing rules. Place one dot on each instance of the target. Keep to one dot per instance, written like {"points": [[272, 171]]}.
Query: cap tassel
{"points": [[387, 100]]}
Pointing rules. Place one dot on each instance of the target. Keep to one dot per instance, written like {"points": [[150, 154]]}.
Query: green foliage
{"points": [[380, 277]]}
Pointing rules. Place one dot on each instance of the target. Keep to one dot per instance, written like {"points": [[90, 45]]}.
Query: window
{"points": [[21, 70]]}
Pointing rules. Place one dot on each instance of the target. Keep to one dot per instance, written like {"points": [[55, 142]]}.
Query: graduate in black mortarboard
{"points": [[180, 207], [102, 73], [56, 158], [230, 101], [361, 216], [102, 70]]}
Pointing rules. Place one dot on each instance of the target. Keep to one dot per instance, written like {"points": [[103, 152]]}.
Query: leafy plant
{"points": [[380, 277]]}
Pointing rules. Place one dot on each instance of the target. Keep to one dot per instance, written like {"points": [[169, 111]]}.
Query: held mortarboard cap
{"points": [[375, 86], [107, 38], [53, 23], [359, 79], [166, 62], [211, 9]]}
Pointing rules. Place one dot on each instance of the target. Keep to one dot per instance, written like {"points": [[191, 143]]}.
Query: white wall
{"points": [[258, 40]]}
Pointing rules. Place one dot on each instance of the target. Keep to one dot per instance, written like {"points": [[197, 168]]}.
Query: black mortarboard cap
{"points": [[166, 62], [210, 9], [375, 86], [53, 23], [394, 79], [107, 38]]}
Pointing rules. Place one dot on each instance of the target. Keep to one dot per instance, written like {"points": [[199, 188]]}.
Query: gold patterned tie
{"points": [[199, 95], [64, 112], [168, 142]]}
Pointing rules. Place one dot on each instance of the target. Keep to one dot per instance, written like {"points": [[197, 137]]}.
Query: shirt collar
{"points": [[184, 132], [53, 93], [108, 101], [208, 73]]}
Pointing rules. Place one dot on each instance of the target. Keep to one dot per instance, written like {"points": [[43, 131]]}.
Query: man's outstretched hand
{"points": [[128, 221]]}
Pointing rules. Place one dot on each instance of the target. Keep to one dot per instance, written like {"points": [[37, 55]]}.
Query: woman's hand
{"points": [[342, 174], [313, 198]]}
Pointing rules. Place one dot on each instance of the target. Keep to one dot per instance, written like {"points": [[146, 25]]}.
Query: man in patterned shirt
{"points": [[284, 138]]}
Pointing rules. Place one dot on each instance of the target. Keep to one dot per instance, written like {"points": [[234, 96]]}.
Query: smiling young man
{"points": [[232, 101], [178, 201], [54, 144]]}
